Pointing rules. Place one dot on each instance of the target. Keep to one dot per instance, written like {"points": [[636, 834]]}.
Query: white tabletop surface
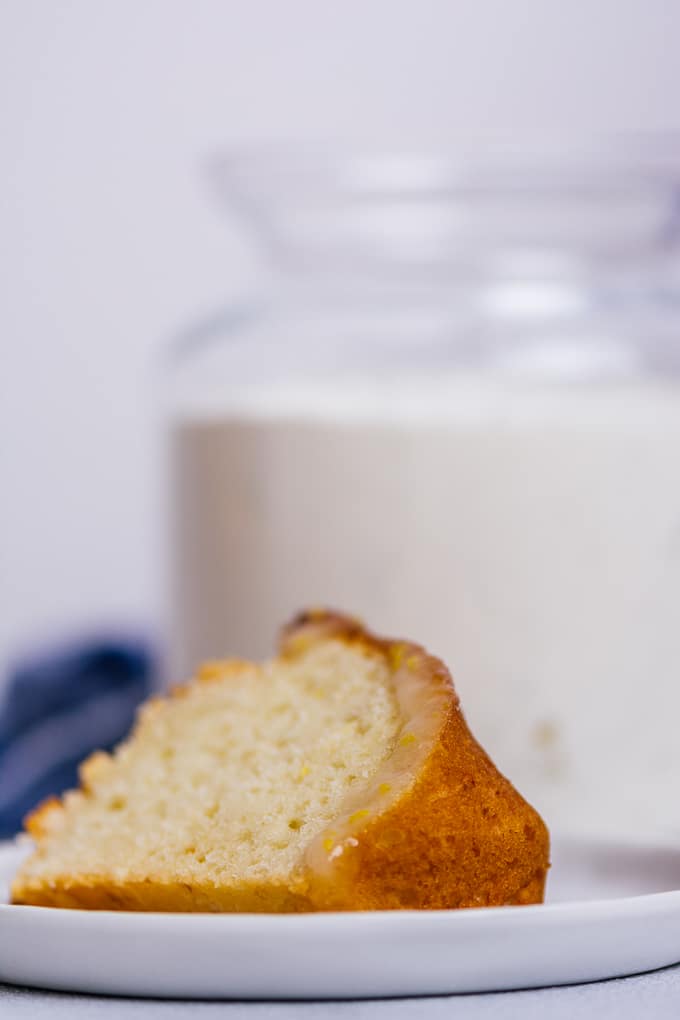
{"points": [[649, 995]]}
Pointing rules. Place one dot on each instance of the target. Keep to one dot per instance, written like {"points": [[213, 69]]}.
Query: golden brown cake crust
{"points": [[439, 826], [458, 834]]}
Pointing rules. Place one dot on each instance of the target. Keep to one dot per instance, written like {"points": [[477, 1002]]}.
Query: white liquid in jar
{"points": [[529, 535]]}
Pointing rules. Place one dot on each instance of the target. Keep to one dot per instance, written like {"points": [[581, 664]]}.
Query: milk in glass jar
{"points": [[453, 408]]}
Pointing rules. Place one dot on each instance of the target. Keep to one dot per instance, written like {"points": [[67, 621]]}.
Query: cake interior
{"points": [[229, 780]]}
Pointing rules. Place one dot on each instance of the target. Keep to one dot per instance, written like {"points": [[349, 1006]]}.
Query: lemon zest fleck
{"points": [[362, 813], [396, 655]]}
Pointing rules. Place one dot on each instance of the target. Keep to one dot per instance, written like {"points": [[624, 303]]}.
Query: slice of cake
{"points": [[339, 776]]}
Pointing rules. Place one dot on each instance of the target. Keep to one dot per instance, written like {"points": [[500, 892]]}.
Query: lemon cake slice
{"points": [[341, 775]]}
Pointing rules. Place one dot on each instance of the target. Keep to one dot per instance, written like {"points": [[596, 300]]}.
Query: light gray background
{"points": [[109, 240]]}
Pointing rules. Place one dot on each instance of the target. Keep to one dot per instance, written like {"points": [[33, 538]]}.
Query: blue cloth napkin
{"points": [[59, 707]]}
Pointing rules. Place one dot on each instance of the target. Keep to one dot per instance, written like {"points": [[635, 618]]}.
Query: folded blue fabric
{"points": [[58, 708]]}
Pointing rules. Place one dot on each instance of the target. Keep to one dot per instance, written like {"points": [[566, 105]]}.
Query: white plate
{"points": [[611, 911]]}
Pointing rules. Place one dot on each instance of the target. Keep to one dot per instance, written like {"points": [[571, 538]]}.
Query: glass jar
{"points": [[452, 408]]}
